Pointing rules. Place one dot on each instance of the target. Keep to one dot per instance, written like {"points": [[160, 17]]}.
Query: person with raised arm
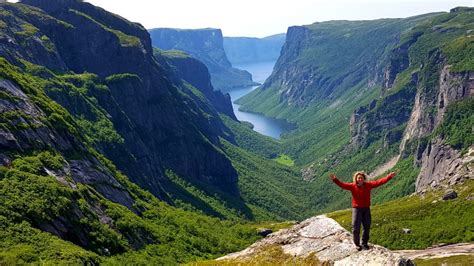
{"points": [[360, 189]]}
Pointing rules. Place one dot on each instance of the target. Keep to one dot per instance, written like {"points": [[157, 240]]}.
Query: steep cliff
{"points": [[431, 70], [196, 73], [245, 50], [206, 45], [182, 138]]}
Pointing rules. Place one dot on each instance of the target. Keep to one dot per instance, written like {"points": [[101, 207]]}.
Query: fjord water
{"points": [[262, 124]]}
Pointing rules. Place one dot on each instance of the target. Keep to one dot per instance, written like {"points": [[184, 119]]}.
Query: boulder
{"points": [[450, 194], [264, 231]]}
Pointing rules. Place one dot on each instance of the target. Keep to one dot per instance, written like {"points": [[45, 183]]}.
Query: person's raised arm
{"points": [[342, 185], [381, 181]]}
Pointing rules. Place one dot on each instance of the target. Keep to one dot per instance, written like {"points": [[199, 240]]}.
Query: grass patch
{"points": [[272, 255], [452, 260], [285, 160]]}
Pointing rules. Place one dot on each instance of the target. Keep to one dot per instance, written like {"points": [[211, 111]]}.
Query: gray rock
{"points": [[441, 165], [450, 194], [324, 238], [264, 231], [88, 173]]}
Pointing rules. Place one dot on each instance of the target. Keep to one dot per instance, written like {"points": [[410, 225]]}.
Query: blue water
{"points": [[262, 124]]}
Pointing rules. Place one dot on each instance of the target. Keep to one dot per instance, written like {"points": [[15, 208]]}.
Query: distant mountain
{"points": [[205, 45], [244, 50]]}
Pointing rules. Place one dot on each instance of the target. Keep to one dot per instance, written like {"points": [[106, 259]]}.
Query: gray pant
{"points": [[361, 215]]}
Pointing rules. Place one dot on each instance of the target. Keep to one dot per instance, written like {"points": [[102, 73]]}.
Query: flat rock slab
{"points": [[326, 239], [439, 252]]}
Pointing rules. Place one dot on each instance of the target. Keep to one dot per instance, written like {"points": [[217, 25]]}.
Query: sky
{"points": [[261, 18]]}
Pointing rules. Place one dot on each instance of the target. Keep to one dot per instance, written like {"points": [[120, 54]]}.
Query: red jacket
{"points": [[361, 195]]}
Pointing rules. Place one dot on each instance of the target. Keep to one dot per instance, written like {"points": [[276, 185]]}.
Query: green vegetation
{"points": [[276, 189], [170, 53], [285, 160], [429, 218], [116, 78], [28, 30], [22, 244], [456, 128], [452, 260]]}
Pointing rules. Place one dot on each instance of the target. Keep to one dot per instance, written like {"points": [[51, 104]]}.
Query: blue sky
{"points": [[260, 18]]}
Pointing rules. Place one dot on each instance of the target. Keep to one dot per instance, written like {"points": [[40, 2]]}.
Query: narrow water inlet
{"points": [[264, 125]]}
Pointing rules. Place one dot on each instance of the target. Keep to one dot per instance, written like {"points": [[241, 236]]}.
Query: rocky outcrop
{"points": [[430, 105], [26, 130], [399, 61], [206, 45], [37, 135], [30, 130], [323, 238], [442, 167], [380, 119], [246, 50]]}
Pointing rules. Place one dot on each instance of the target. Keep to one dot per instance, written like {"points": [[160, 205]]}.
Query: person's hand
{"points": [[392, 174], [332, 177]]}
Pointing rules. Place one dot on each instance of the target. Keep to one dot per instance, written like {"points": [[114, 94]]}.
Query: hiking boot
{"points": [[365, 247], [359, 248]]}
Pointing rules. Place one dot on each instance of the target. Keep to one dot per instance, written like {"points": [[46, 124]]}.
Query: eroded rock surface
{"points": [[442, 166], [324, 238]]}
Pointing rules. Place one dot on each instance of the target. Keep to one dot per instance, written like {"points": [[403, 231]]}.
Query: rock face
{"points": [[206, 45], [321, 60], [196, 73], [324, 238], [443, 166], [246, 50], [36, 134], [451, 87]]}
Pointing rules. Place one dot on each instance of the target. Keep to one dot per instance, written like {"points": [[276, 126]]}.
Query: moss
{"points": [[122, 77], [171, 53], [28, 30], [48, 43]]}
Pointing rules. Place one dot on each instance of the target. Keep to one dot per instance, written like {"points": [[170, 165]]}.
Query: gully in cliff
{"points": [[360, 189]]}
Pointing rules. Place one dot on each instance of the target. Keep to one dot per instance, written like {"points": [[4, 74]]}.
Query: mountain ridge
{"points": [[207, 46]]}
